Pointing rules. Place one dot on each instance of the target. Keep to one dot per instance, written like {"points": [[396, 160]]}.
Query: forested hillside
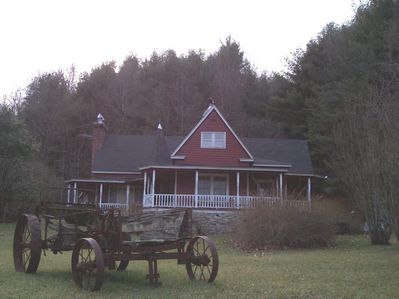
{"points": [[59, 109], [340, 93]]}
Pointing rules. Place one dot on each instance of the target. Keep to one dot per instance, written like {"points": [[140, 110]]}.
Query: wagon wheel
{"points": [[27, 244], [88, 264], [120, 265], [203, 260]]}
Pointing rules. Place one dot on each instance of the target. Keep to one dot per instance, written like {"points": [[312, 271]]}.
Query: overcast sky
{"points": [[40, 36]]}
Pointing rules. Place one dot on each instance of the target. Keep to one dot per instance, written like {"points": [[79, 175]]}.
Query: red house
{"points": [[209, 168]]}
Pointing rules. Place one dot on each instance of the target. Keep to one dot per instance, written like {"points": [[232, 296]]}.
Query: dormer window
{"points": [[213, 139]]}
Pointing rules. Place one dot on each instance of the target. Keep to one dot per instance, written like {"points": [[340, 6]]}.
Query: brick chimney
{"points": [[99, 133]]}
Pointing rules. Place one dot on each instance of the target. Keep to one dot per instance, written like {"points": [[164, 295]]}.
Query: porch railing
{"points": [[215, 201], [106, 206]]}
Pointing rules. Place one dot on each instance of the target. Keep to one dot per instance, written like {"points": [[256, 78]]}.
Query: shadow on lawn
{"points": [[112, 279], [123, 284]]}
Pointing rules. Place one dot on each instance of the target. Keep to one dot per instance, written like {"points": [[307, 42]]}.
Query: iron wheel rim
{"points": [[203, 259], [27, 244], [88, 265]]}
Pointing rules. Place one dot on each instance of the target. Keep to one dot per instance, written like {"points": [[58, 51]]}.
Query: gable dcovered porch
{"points": [[210, 187]]}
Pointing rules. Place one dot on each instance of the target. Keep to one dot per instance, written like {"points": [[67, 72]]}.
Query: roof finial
{"points": [[100, 119], [210, 107]]}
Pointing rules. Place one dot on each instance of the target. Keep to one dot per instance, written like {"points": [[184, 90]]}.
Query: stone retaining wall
{"points": [[213, 222]]}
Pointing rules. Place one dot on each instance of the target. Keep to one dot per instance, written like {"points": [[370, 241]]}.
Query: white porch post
{"points": [[175, 182], [309, 190], [247, 184], [153, 187], [145, 184], [75, 187], [175, 197], [281, 186], [148, 184], [196, 188], [238, 189], [127, 196], [69, 192], [101, 194]]}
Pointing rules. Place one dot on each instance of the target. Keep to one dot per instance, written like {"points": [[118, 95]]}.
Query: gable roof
{"points": [[211, 108], [292, 151], [129, 153]]}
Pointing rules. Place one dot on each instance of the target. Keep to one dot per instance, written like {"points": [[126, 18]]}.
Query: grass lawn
{"points": [[353, 269]]}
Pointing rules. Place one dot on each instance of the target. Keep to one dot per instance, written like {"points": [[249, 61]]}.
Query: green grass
{"points": [[354, 269]]}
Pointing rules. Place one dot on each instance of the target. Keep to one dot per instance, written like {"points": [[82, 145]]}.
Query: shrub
{"points": [[266, 227], [342, 211]]}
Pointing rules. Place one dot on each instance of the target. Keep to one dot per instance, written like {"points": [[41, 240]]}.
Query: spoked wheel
{"points": [[88, 264], [27, 244], [203, 263]]}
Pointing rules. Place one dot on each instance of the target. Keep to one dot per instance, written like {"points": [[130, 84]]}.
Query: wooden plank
{"points": [[157, 225]]}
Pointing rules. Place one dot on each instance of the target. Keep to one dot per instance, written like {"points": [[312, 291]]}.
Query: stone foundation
{"points": [[206, 222]]}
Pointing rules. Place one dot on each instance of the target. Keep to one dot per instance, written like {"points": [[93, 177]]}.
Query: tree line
{"points": [[340, 93]]}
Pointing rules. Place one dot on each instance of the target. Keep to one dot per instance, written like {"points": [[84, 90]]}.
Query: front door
{"points": [[266, 187]]}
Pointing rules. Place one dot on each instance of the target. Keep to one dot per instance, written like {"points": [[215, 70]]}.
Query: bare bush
{"points": [[283, 227]]}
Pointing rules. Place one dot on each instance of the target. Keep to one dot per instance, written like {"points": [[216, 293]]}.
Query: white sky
{"points": [[39, 36]]}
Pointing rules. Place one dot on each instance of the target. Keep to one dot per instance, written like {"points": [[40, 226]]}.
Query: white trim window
{"points": [[213, 184], [117, 194], [213, 140]]}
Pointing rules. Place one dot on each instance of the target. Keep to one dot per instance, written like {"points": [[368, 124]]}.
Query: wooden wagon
{"points": [[102, 239]]}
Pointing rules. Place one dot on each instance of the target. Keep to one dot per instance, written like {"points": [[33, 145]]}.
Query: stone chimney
{"points": [[99, 134]]}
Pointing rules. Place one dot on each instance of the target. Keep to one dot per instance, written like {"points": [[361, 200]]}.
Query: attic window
{"points": [[213, 139]]}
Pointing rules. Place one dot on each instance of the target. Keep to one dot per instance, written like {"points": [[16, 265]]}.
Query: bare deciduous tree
{"points": [[366, 157]]}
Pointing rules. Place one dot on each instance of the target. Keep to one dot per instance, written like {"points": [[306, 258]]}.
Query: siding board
{"points": [[195, 155]]}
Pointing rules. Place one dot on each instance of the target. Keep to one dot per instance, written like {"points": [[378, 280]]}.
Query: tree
{"points": [[20, 177], [366, 141], [347, 76], [50, 112]]}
